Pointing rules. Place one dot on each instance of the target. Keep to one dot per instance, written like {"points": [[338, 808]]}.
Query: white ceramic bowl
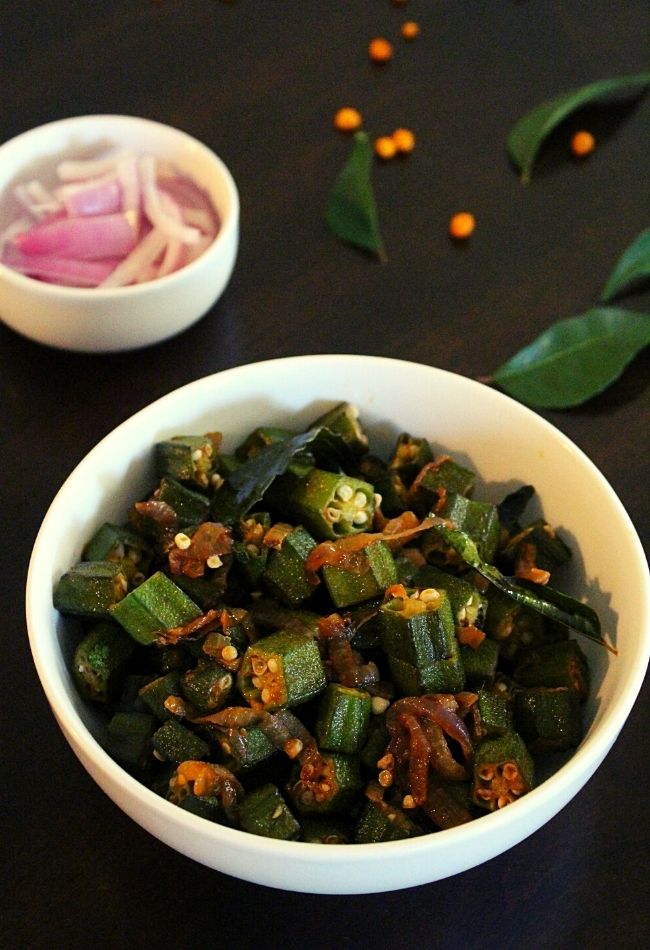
{"points": [[121, 318], [508, 444]]}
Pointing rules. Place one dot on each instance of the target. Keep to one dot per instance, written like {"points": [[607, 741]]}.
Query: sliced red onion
{"points": [[60, 270], [155, 207], [81, 169], [95, 196], [140, 258], [90, 238]]}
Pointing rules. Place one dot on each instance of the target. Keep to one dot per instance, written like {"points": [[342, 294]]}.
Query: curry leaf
{"points": [[352, 210], [544, 600], [575, 359], [527, 136], [632, 267]]}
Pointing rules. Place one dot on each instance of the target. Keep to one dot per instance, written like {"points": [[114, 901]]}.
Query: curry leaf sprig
{"points": [[352, 209], [529, 133]]}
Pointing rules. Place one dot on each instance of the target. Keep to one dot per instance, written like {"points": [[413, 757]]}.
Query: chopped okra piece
{"points": [[491, 714], [259, 439], [387, 484], [208, 790], [113, 542], [162, 694], [515, 626], [186, 458], [330, 505], [243, 747], [381, 821], [372, 571], [189, 506], [469, 605], [555, 664], [270, 615], [174, 742], [128, 739], [324, 830], [156, 605], [99, 661], [283, 669], [375, 746], [285, 575], [265, 812], [478, 519], [480, 663], [344, 421], [251, 554], [409, 455], [536, 547], [342, 718], [207, 686], [90, 589], [325, 782], [549, 720], [503, 771], [436, 479], [418, 636]]}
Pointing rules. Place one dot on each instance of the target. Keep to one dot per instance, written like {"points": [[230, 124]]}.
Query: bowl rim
{"points": [[229, 222], [561, 786]]}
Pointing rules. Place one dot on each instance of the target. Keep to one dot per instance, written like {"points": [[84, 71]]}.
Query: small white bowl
{"points": [[121, 318], [505, 442]]}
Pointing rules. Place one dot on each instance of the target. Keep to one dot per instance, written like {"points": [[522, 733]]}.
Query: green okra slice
{"points": [[387, 484], [381, 821], [468, 604], [270, 615], [477, 519], [545, 548], [554, 665], [249, 550], [437, 479], [480, 663], [99, 661], [503, 771], [282, 669], [418, 637], [548, 719], [492, 714], [343, 420], [265, 812], [161, 695], [112, 542], [207, 686], [205, 789], [368, 576], [186, 458], [242, 747], [330, 505], [342, 718], [258, 439], [91, 589], [409, 456], [325, 782], [158, 604], [129, 737], [325, 830], [516, 626], [189, 506], [285, 575], [174, 742]]}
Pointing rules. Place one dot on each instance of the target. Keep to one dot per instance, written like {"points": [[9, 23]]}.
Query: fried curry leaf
{"points": [[352, 210], [547, 601], [527, 136], [632, 267], [246, 485], [574, 359]]}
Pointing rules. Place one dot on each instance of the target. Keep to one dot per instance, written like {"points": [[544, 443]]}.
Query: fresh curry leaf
{"points": [[546, 601], [575, 359], [526, 137], [632, 267], [246, 485], [352, 210]]}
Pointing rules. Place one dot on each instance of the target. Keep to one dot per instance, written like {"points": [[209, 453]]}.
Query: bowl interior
{"points": [[507, 444]]}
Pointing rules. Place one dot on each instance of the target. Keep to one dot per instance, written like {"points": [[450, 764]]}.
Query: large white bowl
{"points": [[508, 444], [116, 318]]}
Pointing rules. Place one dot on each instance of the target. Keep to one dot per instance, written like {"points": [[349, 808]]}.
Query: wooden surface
{"points": [[259, 81]]}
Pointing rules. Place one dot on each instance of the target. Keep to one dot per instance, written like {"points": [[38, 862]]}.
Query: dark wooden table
{"points": [[259, 81]]}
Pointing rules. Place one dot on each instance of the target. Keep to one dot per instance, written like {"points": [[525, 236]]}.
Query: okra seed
{"points": [[360, 500], [277, 812], [266, 695], [273, 665], [379, 705], [386, 762], [216, 480], [197, 455], [385, 778], [225, 682], [345, 492], [293, 747], [332, 515], [408, 802], [429, 595], [377, 499], [360, 517], [226, 747], [214, 561], [182, 541], [229, 653], [486, 773], [256, 681]]}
